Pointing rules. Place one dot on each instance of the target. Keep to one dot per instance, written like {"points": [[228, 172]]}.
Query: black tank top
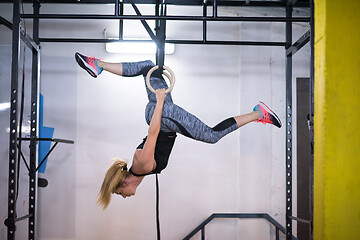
{"points": [[163, 147]]}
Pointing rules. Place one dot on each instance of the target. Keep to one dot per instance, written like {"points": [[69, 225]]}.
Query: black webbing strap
{"points": [[157, 209], [21, 121]]}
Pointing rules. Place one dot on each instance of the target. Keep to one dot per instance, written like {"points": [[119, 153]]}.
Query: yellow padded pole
{"points": [[336, 120]]}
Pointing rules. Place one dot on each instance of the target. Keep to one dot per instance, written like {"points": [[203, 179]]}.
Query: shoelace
{"points": [[91, 59]]}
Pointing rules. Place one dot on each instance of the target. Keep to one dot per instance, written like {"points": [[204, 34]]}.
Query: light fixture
{"points": [[4, 106], [137, 47]]}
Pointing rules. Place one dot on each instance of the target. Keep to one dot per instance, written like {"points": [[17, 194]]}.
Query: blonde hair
{"points": [[115, 176]]}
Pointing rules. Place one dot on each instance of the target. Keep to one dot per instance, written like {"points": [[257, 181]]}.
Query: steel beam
{"points": [[198, 42], [26, 38], [173, 18], [288, 137], [234, 3], [304, 39], [13, 161], [34, 129], [29, 41], [5, 23], [265, 216]]}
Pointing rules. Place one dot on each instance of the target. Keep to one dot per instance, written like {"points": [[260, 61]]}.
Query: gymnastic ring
{"points": [[171, 78]]}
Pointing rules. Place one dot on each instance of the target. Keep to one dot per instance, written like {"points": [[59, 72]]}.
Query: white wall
{"points": [[244, 172]]}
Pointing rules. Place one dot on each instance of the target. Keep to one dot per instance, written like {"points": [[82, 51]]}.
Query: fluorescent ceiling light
{"points": [[4, 106], [137, 47]]}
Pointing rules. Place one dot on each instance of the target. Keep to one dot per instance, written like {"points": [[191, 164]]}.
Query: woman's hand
{"points": [[160, 95]]}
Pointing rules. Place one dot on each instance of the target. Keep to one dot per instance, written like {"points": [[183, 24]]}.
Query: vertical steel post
{"points": [[119, 11], [116, 7], [34, 128], [204, 22], [157, 26], [121, 22], [288, 143], [13, 163], [214, 9], [160, 10]]}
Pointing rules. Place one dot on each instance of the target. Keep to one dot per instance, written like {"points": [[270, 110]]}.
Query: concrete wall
{"points": [[244, 172]]}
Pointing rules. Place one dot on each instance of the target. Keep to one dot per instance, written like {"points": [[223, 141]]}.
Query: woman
{"points": [[165, 119]]}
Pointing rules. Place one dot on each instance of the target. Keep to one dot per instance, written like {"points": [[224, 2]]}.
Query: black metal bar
{"points": [[121, 22], [304, 39], [204, 22], [23, 217], [238, 215], [26, 38], [21, 116], [116, 7], [300, 220], [215, 9], [6, 23], [241, 215], [288, 138], [42, 161], [236, 3], [161, 36], [198, 228], [50, 139], [274, 222], [29, 41], [34, 127], [23, 157], [58, 140], [174, 18], [13, 163], [244, 43], [144, 23], [86, 40], [203, 233], [277, 233]]}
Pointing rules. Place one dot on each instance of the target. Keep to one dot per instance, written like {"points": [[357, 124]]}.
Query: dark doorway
{"points": [[304, 182]]}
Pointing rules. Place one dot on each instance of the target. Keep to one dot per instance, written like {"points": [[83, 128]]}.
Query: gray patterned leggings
{"points": [[175, 118]]}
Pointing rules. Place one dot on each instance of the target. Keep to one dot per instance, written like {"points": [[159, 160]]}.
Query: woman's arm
{"points": [[154, 127], [146, 162]]}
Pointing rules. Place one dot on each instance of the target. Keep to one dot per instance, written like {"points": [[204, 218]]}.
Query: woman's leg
{"points": [[176, 119], [115, 68], [95, 66], [242, 120], [127, 69]]}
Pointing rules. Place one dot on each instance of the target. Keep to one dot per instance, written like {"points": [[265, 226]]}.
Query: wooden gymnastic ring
{"points": [[171, 78]]}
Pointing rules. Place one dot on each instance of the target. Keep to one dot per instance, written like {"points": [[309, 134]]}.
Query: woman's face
{"points": [[126, 190]]}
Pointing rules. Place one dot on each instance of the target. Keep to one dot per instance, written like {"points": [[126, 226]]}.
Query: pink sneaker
{"points": [[267, 115], [89, 64]]}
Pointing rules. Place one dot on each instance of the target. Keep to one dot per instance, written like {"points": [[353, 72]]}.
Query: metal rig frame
{"points": [[159, 38]]}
